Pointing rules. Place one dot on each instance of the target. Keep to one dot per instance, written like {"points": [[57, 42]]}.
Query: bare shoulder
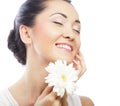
{"points": [[86, 101]]}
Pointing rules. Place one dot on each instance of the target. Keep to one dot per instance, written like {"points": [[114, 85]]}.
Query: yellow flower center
{"points": [[64, 78]]}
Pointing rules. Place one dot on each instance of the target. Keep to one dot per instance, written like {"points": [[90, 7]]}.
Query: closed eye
{"points": [[59, 23], [77, 31], [76, 28]]}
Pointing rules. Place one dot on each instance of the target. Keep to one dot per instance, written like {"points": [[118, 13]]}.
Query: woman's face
{"points": [[55, 34]]}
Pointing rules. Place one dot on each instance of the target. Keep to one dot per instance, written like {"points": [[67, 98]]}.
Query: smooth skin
{"points": [[57, 25]]}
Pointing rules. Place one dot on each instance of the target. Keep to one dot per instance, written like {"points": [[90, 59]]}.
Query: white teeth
{"points": [[64, 47]]}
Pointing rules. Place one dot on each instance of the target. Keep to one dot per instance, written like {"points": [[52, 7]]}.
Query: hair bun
{"points": [[17, 47], [12, 45]]}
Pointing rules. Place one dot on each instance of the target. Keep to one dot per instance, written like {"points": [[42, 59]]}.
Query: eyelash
{"points": [[77, 31], [57, 23], [62, 24]]}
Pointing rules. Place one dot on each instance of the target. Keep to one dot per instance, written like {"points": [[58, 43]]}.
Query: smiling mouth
{"points": [[65, 47]]}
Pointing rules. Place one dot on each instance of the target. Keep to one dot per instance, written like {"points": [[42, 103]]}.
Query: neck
{"points": [[34, 79], [30, 86]]}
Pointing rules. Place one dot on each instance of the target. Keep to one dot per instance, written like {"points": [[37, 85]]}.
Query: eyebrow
{"points": [[60, 14], [65, 16]]}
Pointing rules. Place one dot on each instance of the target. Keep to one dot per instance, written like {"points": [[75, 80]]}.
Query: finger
{"points": [[77, 58], [53, 95], [57, 103], [46, 91], [49, 100], [64, 100], [79, 64], [53, 99], [82, 64], [83, 61], [76, 62]]}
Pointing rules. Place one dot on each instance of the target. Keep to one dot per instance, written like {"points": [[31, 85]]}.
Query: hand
{"points": [[79, 64], [48, 98], [64, 100]]}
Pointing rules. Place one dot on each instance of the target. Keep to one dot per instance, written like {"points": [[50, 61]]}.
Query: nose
{"points": [[69, 35]]}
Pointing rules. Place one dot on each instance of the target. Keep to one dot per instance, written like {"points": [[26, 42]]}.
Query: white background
{"points": [[100, 21]]}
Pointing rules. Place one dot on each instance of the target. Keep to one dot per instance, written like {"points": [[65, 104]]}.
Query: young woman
{"points": [[44, 31]]}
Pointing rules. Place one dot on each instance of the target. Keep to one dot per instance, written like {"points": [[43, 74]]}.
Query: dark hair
{"points": [[26, 15]]}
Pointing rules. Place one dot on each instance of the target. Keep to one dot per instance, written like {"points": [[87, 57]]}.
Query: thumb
{"points": [[64, 100]]}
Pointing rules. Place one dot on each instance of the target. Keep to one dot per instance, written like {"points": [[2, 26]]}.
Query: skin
{"points": [[51, 29]]}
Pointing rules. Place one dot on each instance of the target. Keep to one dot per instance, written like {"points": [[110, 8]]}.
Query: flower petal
{"points": [[62, 77]]}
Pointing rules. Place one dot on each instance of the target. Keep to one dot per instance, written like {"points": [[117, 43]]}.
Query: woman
{"points": [[44, 31]]}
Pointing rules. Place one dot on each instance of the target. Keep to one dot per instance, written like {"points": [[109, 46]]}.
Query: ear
{"points": [[25, 34]]}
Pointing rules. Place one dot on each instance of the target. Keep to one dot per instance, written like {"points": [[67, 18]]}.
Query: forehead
{"points": [[60, 6]]}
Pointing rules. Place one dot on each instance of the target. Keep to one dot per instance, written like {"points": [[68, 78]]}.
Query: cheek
{"points": [[40, 34], [47, 32], [78, 42]]}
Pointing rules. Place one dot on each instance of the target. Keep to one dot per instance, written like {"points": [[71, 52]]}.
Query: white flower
{"points": [[62, 76]]}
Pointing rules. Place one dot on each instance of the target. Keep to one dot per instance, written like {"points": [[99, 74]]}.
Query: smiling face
{"points": [[56, 32]]}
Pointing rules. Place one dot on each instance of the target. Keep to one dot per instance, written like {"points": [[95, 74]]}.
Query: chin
{"points": [[68, 60]]}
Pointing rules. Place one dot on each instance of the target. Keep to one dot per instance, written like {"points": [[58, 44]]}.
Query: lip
{"points": [[65, 46]]}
